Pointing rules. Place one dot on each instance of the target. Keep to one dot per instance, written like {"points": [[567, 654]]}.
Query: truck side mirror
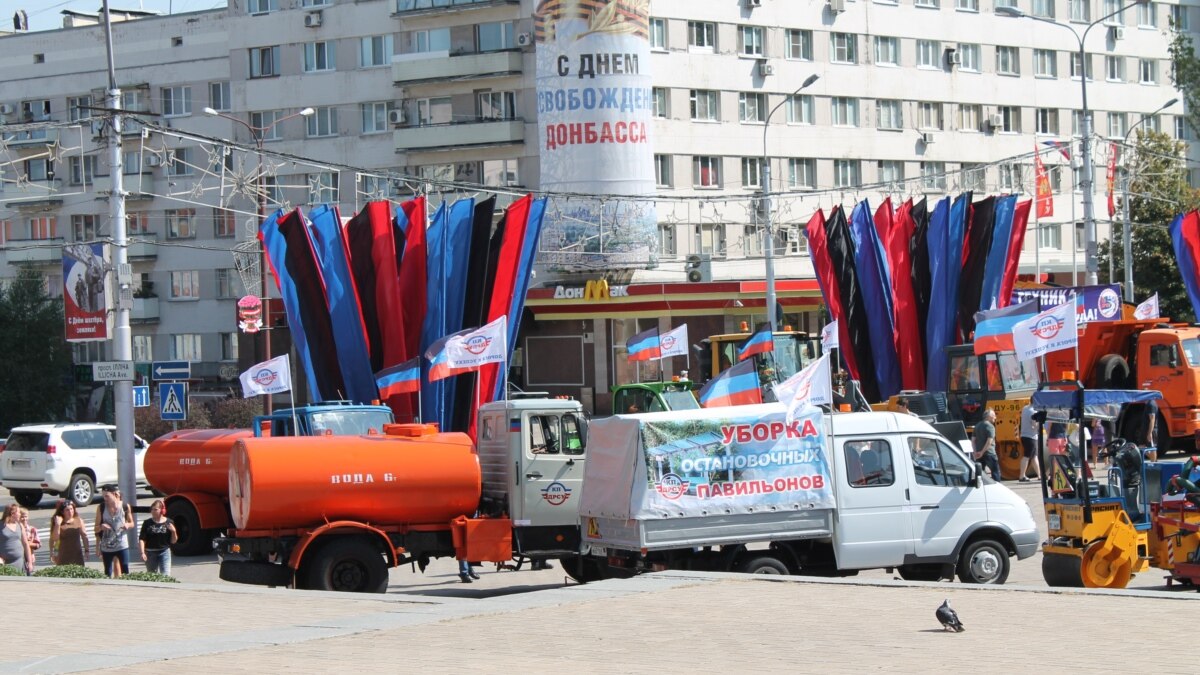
{"points": [[977, 475], [583, 430]]}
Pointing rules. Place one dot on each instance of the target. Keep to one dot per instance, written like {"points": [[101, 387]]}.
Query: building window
{"points": [[661, 110], [1147, 15], [1043, 9], [658, 34], [179, 223], [1147, 71], [799, 44], [40, 227], [224, 223], [662, 171], [750, 40], [176, 101], [800, 109], [497, 105], [1076, 70], [501, 172], [267, 120], [1045, 63], [83, 169], [967, 5], [264, 61], [1179, 18], [137, 222], [375, 50], [1011, 119], [318, 57], [1050, 236], [970, 57], [434, 111], [847, 173], [185, 285], [704, 105], [432, 40], [186, 347], [1111, 6], [323, 187], [667, 247], [263, 6], [228, 283], [1116, 125], [712, 239], [843, 48], [39, 169], [933, 176], [929, 54], [1081, 10], [702, 35], [887, 51], [1008, 61], [929, 116], [891, 173], [131, 162], [179, 162], [494, 37], [752, 172], [1114, 68], [1047, 121], [143, 348], [934, 4], [1181, 128], [229, 346], [845, 111], [218, 96], [802, 173], [752, 107], [1011, 179], [79, 108], [375, 116], [323, 122], [888, 115], [83, 227], [706, 172], [973, 176]]}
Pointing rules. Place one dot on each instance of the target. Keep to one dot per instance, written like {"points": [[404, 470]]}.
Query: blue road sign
{"points": [[172, 401], [171, 370], [141, 397]]}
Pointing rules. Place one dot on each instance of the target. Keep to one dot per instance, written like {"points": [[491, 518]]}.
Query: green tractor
{"points": [[654, 397]]}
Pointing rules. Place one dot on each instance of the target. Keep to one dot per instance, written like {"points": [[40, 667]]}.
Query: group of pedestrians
{"points": [[70, 544]]}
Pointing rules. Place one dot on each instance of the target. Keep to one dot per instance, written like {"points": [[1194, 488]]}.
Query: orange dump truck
{"points": [[336, 513], [1142, 354], [191, 466]]}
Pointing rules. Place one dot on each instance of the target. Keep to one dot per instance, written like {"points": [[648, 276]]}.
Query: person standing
{"points": [[69, 543], [1029, 445], [113, 518], [31, 535], [985, 444], [157, 535], [1099, 440], [14, 546]]}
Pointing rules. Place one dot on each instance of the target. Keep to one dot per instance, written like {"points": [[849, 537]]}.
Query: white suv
{"points": [[67, 459]]}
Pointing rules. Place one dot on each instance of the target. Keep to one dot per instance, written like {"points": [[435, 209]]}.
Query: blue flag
{"points": [[939, 297], [875, 285]]}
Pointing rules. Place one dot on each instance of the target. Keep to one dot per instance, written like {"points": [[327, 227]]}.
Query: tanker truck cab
{"points": [[531, 452]]}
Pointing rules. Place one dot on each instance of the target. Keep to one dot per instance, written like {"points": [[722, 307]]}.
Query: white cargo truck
{"points": [[746, 489]]}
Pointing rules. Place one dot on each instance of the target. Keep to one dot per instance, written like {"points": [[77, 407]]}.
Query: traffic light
{"points": [[698, 268]]}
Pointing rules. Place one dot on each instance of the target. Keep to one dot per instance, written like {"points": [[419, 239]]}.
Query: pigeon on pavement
{"points": [[948, 618]]}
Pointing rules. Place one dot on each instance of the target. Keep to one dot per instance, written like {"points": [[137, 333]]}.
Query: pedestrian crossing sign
{"points": [[172, 401]]}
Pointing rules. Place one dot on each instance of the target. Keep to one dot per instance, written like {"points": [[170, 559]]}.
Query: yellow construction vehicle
{"points": [[794, 349]]}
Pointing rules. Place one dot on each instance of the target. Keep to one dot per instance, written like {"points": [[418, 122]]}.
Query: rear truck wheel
{"points": [[921, 572], [1112, 372], [27, 498], [762, 564], [984, 561], [255, 573], [349, 564], [192, 539], [1101, 568], [81, 490], [1061, 571], [593, 570]]}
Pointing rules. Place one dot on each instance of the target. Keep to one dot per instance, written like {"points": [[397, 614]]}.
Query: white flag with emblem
{"points": [[806, 388], [1050, 331], [1148, 309], [480, 346], [268, 377], [674, 342], [829, 336]]}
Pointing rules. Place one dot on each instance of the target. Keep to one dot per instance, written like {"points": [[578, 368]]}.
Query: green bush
{"points": [[10, 571], [69, 572], [150, 576]]}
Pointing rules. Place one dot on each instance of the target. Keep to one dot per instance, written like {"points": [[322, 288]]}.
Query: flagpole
{"points": [[504, 353]]}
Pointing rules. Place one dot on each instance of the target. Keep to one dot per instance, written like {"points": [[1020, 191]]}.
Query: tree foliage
{"points": [[1185, 75], [1158, 191], [35, 382]]}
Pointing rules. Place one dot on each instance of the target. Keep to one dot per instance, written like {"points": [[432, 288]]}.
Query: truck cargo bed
{"points": [[740, 528]]}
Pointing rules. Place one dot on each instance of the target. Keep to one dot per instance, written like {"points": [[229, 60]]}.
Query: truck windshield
{"points": [[1018, 374], [964, 372], [680, 400], [1191, 351], [349, 422]]}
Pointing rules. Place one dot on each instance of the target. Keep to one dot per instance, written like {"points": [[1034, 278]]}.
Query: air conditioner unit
{"points": [[312, 20], [995, 121], [837, 5], [1116, 33], [6, 109], [753, 3], [927, 138], [953, 58], [397, 116], [524, 39], [153, 160], [765, 69]]}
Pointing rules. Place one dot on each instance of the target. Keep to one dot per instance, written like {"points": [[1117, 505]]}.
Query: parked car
{"points": [[65, 459]]}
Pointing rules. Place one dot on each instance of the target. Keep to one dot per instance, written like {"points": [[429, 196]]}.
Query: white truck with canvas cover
{"points": [[746, 489]]}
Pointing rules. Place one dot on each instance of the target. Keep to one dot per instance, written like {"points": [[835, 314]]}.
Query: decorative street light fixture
{"points": [[259, 133]]}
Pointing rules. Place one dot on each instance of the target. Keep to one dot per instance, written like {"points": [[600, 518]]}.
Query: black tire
{"points": [[593, 570], [984, 561], [348, 564], [920, 572], [28, 498], [255, 573], [1062, 571], [1162, 436], [762, 564], [192, 539], [81, 490], [1112, 372]]}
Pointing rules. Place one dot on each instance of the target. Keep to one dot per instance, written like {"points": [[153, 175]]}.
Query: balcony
{"points": [[137, 185], [30, 138], [441, 66], [458, 135], [407, 8], [141, 246], [144, 310], [34, 251], [33, 195]]}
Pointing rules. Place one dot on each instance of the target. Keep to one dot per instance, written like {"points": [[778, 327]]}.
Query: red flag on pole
{"points": [[1112, 177], [1045, 196]]}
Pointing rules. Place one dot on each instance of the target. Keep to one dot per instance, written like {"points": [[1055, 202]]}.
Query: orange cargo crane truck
{"points": [[191, 466], [1150, 354]]}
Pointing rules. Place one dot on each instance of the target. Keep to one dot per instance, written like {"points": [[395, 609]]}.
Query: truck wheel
{"points": [[255, 573], [1162, 436], [192, 540], [921, 572], [763, 564], [1112, 372], [28, 498], [346, 564], [81, 490], [593, 570], [983, 561]]}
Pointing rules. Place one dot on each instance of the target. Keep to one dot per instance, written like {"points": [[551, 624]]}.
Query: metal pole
{"points": [[1126, 236], [269, 404], [1089, 214], [122, 337]]}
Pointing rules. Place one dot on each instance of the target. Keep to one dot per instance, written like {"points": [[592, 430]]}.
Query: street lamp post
{"points": [[1089, 215], [768, 239], [259, 134], [1127, 230]]}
